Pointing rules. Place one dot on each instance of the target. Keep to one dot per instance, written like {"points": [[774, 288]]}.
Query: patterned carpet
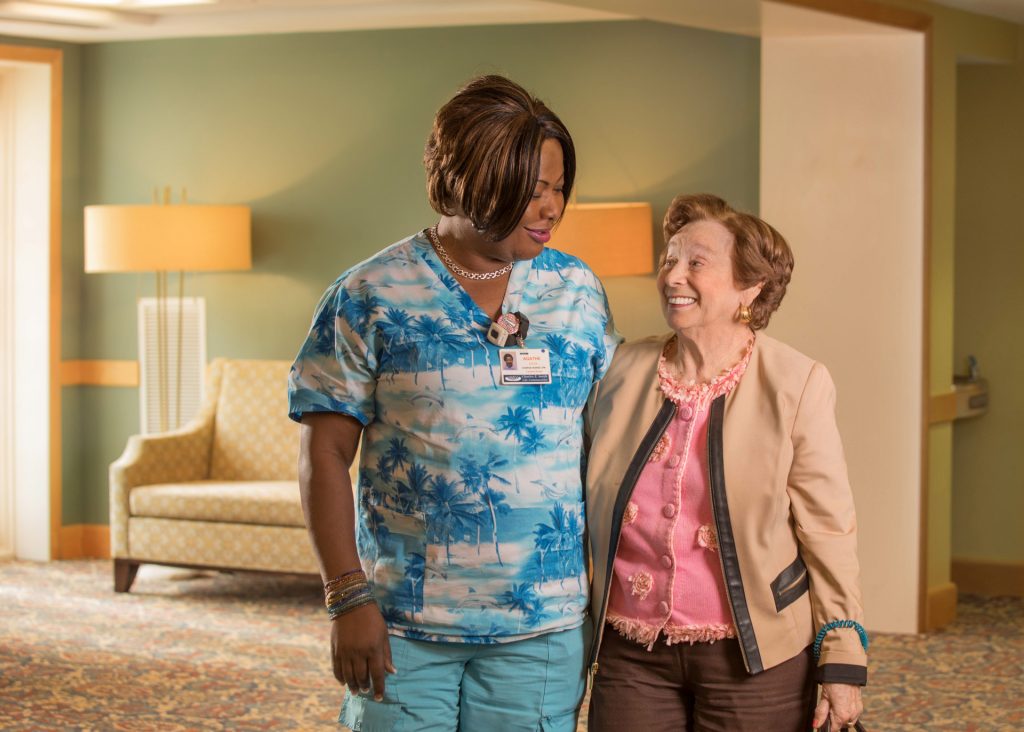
{"points": [[182, 651], [208, 651]]}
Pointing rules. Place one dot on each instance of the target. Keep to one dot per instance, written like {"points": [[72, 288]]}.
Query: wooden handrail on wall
{"points": [[99, 373], [942, 408]]}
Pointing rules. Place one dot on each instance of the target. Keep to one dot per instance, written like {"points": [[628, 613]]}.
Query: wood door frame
{"points": [[54, 58]]}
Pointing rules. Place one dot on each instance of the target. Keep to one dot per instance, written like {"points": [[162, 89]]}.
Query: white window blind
{"points": [[166, 401]]}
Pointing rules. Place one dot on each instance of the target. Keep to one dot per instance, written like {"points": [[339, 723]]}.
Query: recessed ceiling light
{"points": [[81, 14]]}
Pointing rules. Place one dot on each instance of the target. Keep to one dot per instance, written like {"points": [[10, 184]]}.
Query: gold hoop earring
{"points": [[744, 315]]}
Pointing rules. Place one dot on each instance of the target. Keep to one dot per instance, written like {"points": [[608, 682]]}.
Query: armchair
{"points": [[221, 492]]}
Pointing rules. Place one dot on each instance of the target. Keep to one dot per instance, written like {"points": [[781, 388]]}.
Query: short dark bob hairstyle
{"points": [[760, 254], [483, 155]]}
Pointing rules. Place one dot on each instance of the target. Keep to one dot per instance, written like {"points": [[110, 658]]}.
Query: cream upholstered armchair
{"points": [[222, 492]]}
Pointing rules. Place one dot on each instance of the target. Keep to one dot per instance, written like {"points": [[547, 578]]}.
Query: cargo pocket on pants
{"points": [[363, 714]]}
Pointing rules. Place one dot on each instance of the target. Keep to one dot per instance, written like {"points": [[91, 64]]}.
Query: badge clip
{"points": [[507, 329]]}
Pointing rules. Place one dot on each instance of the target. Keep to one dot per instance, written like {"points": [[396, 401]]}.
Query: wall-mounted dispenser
{"points": [[971, 392]]}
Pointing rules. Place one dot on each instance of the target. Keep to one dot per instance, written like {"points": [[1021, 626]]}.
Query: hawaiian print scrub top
{"points": [[470, 520]]}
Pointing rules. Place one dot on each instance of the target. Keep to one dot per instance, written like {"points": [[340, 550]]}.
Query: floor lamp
{"points": [[162, 239]]}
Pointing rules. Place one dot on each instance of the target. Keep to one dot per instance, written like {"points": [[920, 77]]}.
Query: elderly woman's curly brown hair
{"points": [[760, 253]]}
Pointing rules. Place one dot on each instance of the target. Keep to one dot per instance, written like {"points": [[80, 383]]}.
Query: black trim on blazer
{"points": [[636, 466], [791, 583], [726, 541], [842, 673]]}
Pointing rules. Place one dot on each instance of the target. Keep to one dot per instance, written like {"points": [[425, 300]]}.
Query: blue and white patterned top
{"points": [[470, 520]]}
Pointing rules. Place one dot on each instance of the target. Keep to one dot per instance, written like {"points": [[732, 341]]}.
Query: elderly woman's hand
{"points": [[840, 704]]}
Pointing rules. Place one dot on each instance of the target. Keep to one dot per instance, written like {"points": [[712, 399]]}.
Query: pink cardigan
{"points": [[667, 578]]}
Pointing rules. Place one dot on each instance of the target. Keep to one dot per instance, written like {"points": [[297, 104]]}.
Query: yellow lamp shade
{"points": [[612, 238], [169, 238]]}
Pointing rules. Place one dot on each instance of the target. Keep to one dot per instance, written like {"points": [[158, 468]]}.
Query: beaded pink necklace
{"points": [[700, 395]]}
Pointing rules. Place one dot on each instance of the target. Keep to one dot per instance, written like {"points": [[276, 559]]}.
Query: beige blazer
{"points": [[783, 508]]}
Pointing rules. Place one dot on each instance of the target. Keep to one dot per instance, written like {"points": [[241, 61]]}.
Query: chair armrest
{"points": [[168, 457]]}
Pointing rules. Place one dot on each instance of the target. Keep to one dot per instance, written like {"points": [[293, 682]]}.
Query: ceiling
{"points": [[88, 21]]}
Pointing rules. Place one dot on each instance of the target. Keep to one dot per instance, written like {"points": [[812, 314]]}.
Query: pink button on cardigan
{"points": [[667, 578]]}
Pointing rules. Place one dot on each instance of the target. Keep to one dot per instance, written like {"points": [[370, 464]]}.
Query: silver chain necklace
{"points": [[436, 241]]}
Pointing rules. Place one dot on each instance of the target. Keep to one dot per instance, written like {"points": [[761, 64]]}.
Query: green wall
{"points": [[955, 35], [322, 134], [988, 451]]}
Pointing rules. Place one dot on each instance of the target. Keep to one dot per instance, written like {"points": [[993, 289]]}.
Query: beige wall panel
{"points": [[842, 145]]}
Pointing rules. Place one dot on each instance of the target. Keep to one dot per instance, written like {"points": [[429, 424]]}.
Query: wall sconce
{"points": [[167, 238], [614, 239]]}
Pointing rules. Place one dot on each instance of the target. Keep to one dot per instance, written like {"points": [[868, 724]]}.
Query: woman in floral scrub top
{"points": [[457, 584]]}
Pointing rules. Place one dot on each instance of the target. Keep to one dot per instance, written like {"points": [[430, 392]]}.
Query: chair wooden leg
{"points": [[124, 574]]}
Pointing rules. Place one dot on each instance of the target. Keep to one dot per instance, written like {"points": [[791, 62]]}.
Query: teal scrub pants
{"points": [[528, 685]]}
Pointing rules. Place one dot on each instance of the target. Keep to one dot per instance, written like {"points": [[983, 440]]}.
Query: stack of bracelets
{"points": [[346, 592]]}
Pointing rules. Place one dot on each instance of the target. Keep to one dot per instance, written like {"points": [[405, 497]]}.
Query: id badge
{"points": [[525, 366]]}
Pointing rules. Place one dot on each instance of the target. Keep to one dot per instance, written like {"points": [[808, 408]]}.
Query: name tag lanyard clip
{"points": [[509, 328]]}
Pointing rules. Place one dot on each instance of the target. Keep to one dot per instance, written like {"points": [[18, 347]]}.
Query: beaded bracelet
{"points": [[346, 592], [362, 597], [839, 624], [336, 596], [341, 577], [343, 586]]}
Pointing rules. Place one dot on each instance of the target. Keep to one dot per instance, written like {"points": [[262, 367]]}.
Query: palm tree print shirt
{"points": [[470, 520]]}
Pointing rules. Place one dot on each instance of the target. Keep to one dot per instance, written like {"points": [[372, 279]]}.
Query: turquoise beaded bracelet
{"points": [[839, 624]]}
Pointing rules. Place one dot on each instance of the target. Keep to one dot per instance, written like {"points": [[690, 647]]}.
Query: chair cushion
{"points": [[270, 503], [212, 544], [253, 437]]}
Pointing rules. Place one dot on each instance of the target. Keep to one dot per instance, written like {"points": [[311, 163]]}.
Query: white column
{"points": [[7, 320], [26, 234], [842, 177]]}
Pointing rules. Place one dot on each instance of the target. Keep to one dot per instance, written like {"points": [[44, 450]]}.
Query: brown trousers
{"points": [[702, 687]]}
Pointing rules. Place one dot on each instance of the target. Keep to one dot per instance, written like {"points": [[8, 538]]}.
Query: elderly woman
{"points": [[462, 356], [722, 528]]}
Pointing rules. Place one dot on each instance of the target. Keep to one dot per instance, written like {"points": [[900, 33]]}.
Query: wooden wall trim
{"points": [[33, 54], [85, 541], [926, 338], [941, 606], [100, 373], [869, 11], [989, 577], [941, 408], [56, 301]]}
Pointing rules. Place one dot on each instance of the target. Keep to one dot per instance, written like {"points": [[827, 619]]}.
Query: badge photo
{"points": [[525, 366]]}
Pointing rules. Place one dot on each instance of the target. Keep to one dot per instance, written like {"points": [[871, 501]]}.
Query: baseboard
{"points": [[989, 577], [85, 541], [941, 608]]}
